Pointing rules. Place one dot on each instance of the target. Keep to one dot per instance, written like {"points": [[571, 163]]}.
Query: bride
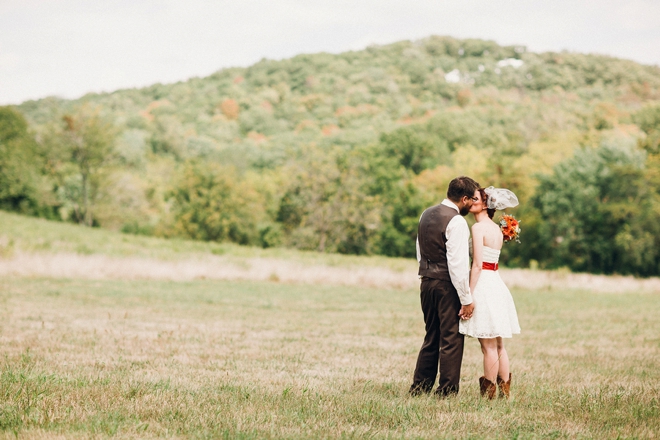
{"points": [[494, 316]]}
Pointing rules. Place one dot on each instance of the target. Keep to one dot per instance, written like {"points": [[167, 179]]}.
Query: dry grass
{"points": [[209, 359], [212, 267]]}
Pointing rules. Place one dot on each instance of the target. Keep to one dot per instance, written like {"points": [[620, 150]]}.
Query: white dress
{"points": [[494, 311]]}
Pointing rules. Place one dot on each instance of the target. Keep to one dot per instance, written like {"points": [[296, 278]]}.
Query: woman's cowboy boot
{"points": [[488, 388], [505, 387]]}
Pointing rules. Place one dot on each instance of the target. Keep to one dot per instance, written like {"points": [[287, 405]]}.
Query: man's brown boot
{"points": [[505, 387], [488, 388]]}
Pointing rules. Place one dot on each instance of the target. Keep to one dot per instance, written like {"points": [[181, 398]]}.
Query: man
{"points": [[444, 267]]}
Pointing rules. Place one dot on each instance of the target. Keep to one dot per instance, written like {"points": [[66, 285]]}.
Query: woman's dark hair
{"points": [[484, 199], [460, 187]]}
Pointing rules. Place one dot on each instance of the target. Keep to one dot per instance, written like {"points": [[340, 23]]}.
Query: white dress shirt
{"points": [[458, 254]]}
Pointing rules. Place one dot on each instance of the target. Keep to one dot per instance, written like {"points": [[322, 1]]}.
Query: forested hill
{"points": [[342, 152]]}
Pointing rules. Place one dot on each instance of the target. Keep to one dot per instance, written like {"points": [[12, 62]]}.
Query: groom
{"points": [[444, 267]]}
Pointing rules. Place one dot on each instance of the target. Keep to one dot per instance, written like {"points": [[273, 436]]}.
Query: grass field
{"points": [[210, 358]]}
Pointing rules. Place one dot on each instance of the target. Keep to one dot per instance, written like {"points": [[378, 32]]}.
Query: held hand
{"points": [[466, 311]]}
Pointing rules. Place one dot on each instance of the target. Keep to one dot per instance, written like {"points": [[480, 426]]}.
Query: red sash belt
{"points": [[489, 266]]}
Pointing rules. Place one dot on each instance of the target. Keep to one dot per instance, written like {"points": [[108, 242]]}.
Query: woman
{"points": [[494, 316]]}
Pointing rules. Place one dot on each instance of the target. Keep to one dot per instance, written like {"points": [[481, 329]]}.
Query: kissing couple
{"points": [[460, 299]]}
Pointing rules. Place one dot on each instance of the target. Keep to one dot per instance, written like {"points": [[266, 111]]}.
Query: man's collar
{"points": [[451, 204]]}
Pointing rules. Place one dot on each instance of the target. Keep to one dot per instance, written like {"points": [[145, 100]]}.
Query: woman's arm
{"points": [[477, 255]]}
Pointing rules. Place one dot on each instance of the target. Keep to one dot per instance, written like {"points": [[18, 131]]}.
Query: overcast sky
{"points": [[71, 47]]}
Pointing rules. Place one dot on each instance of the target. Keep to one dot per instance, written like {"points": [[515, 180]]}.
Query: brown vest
{"points": [[432, 237]]}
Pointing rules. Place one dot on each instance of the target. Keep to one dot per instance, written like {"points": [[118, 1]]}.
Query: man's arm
{"points": [[458, 258], [419, 252]]}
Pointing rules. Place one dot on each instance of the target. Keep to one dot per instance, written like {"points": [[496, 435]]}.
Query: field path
{"points": [[101, 267]]}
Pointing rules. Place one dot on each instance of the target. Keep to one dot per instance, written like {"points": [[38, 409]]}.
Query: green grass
{"points": [[214, 359], [28, 234]]}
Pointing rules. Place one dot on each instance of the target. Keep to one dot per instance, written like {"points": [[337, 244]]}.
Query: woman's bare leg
{"points": [[503, 370], [491, 358]]}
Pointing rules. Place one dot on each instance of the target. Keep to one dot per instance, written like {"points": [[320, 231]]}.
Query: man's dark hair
{"points": [[460, 187]]}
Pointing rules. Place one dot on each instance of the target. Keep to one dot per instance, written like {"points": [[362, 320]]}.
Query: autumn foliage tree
{"points": [[86, 143], [229, 107], [210, 202], [326, 206]]}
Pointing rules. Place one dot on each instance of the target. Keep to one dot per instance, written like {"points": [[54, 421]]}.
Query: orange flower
{"points": [[510, 228]]}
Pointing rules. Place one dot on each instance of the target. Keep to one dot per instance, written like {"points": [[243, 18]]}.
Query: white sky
{"points": [[71, 47]]}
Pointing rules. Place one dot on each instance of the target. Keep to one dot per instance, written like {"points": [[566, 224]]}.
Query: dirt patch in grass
{"points": [[213, 267]]}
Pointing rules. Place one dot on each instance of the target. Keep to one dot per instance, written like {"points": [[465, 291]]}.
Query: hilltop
{"points": [[341, 152]]}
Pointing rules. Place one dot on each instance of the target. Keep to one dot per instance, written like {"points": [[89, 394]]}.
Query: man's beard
{"points": [[465, 210]]}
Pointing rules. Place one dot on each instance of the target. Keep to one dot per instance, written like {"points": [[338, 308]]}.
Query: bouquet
{"points": [[510, 228]]}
